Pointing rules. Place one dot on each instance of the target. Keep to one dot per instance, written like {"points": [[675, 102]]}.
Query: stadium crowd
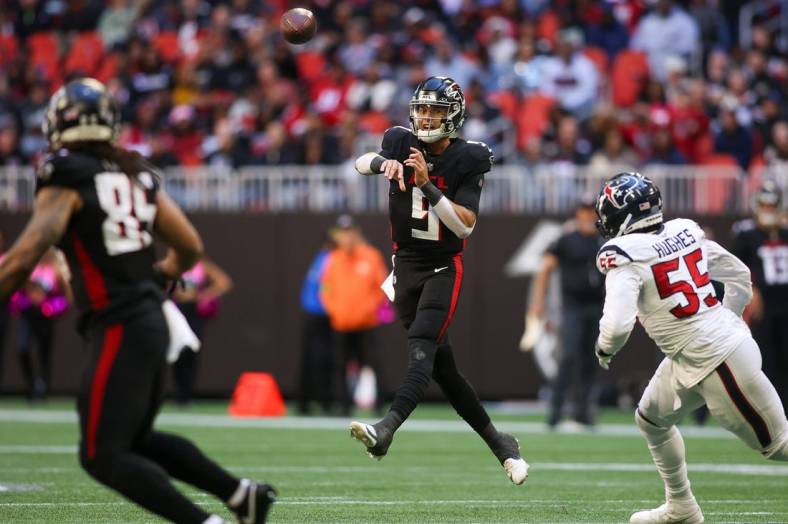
{"points": [[577, 82]]}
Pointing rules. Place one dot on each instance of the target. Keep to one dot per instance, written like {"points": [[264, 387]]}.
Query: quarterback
{"points": [[436, 181], [661, 273]]}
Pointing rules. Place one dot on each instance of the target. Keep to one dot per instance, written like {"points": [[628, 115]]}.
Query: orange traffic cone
{"points": [[257, 395]]}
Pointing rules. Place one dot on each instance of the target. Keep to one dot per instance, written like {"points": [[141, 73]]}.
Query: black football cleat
{"points": [[375, 438], [258, 501]]}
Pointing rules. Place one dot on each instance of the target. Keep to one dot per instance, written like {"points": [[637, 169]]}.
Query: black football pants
{"points": [[121, 393], [426, 296]]}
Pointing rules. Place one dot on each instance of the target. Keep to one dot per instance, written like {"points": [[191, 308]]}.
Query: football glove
{"points": [[604, 358]]}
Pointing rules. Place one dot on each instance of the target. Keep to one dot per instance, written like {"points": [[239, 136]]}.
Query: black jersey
{"points": [[458, 172], [766, 254], [108, 242]]}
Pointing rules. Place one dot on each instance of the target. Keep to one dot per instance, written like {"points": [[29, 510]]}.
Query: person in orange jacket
{"points": [[351, 294]]}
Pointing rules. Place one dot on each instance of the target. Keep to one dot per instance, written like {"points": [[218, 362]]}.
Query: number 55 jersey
{"points": [[108, 242], [664, 280]]}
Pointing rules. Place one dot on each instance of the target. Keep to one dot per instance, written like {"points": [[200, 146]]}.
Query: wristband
{"points": [[432, 193], [376, 163]]}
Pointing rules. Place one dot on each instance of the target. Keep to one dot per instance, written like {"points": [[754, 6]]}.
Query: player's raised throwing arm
{"points": [[53, 209]]}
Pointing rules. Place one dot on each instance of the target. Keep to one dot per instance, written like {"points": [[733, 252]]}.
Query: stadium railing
{"points": [[510, 189]]}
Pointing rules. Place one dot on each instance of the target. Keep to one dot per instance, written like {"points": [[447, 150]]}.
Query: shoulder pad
{"points": [[396, 133], [481, 155], [62, 168], [624, 250], [742, 226]]}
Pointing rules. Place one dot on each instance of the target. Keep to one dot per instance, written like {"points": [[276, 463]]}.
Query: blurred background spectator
{"points": [[350, 292], [316, 381], [198, 299], [213, 83]]}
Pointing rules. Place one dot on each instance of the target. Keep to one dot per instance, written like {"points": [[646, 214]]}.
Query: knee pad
{"points": [[650, 428]]}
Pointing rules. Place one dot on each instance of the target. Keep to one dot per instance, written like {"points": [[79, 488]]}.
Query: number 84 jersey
{"points": [[458, 172], [108, 242], [664, 280]]}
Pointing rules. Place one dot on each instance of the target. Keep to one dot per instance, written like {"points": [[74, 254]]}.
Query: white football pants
{"points": [[738, 395]]}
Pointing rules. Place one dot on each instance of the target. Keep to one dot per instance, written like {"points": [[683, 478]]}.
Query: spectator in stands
{"points": [[569, 146], [608, 34], [352, 297], [526, 74], [733, 138], [184, 139], [116, 21], [3, 317], [663, 150], [689, 121], [570, 77], [9, 141], [317, 356], [615, 155], [226, 148], [357, 52], [450, 61], [665, 31], [712, 26], [768, 113], [33, 141], [776, 154]]}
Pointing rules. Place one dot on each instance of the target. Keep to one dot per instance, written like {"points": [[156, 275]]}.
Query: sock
{"points": [[490, 435], [240, 493], [214, 519], [417, 379], [667, 450]]}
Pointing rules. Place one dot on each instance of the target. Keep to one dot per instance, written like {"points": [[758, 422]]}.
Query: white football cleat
{"points": [[377, 445], [516, 470], [685, 512]]}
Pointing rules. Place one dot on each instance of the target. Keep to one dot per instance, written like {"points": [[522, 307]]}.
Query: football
{"points": [[298, 25]]}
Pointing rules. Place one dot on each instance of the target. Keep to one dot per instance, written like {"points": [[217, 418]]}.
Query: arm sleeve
{"points": [[733, 273], [622, 288]]}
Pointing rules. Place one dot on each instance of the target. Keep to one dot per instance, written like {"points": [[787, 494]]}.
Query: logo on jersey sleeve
{"points": [[607, 260]]}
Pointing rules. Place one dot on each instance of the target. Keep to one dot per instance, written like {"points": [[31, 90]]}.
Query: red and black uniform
{"points": [[109, 248], [428, 266], [766, 254]]}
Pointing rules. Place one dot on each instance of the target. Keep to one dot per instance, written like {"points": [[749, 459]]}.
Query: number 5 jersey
{"points": [[108, 242], [664, 280]]}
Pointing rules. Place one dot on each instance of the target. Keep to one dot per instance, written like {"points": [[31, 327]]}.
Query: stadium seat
{"points": [[9, 47], [44, 52], [629, 76], [310, 65], [719, 159], [704, 146], [166, 43], [532, 117], [374, 122], [506, 101], [598, 57], [548, 26], [108, 68], [85, 55]]}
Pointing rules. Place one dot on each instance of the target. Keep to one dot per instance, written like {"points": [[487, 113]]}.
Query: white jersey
{"points": [[664, 280]]}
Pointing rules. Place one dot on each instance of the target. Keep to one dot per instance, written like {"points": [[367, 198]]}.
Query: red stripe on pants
{"points": [[455, 294], [113, 336], [753, 418], [91, 274]]}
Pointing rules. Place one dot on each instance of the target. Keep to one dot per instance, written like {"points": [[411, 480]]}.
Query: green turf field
{"points": [[436, 471]]}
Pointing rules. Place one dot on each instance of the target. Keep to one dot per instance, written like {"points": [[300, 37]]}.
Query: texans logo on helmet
{"points": [[617, 192]]}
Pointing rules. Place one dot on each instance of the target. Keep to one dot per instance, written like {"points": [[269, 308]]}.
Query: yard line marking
{"points": [[36, 450], [329, 423]]}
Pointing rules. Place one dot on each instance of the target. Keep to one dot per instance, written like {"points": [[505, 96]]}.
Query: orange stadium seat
{"points": [[548, 26], [44, 50], [375, 122], [629, 76], [506, 102], [86, 53], [532, 117], [108, 68], [9, 47], [166, 43], [598, 57], [704, 146], [719, 159]]}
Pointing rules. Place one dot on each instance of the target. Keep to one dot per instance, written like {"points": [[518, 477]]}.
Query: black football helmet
{"points": [[627, 203], [82, 110], [439, 91], [766, 204]]}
